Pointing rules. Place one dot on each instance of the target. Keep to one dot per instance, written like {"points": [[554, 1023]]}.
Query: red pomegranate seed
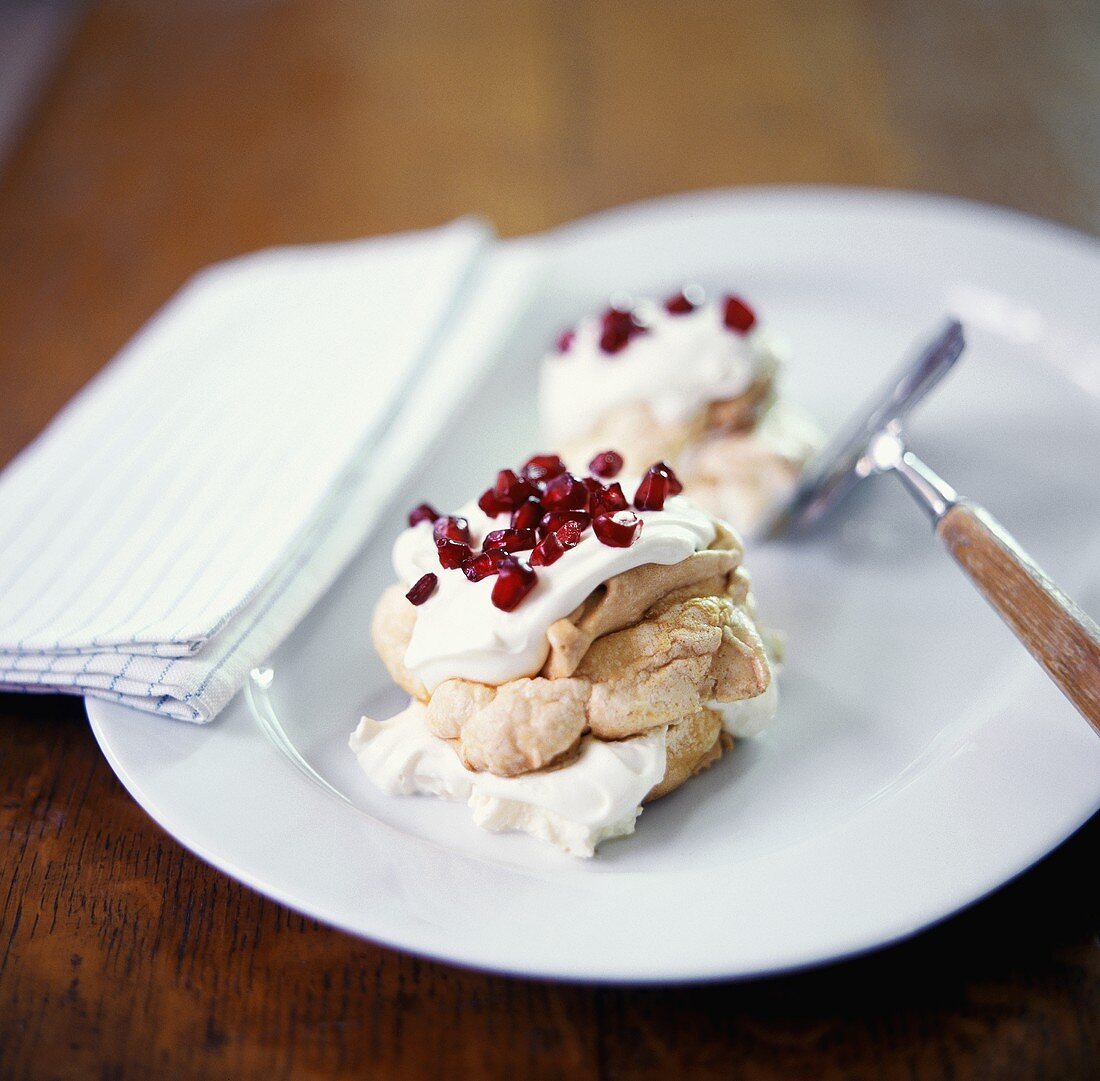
{"points": [[552, 522], [610, 500], [652, 492], [565, 340], [511, 490], [554, 545], [490, 505], [482, 565], [674, 485], [424, 512], [606, 464], [679, 304], [618, 327], [514, 581], [452, 554], [527, 515], [423, 589], [569, 533], [542, 467], [510, 540], [548, 550], [451, 529], [738, 316], [666, 471], [619, 530], [566, 492]]}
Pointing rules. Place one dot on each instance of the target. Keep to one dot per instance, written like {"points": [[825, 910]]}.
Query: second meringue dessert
{"points": [[688, 380], [573, 647]]}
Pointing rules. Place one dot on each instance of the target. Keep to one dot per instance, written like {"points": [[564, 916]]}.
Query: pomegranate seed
{"points": [[569, 533], [610, 500], [566, 492], [674, 485], [738, 316], [511, 490], [652, 492], [482, 565], [543, 467], [510, 540], [527, 515], [619, 530], [452, 554], [425, 512], [618, 327], [423, 589], [514, 581], [451, 529], [565, 340], [548, 550], [554, 545], [490, 505], [606, 464], [680, 304], [552, 522]]}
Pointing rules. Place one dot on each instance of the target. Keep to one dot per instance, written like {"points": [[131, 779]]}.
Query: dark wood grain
{"points": [[180, 133]]}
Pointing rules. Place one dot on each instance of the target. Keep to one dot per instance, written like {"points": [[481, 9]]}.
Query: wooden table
{"points": [[179, 133]]}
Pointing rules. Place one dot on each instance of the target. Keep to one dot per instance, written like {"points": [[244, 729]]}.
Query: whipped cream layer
{"points": [[680, 365], [596, 797], [459, 634], [750, 716]]}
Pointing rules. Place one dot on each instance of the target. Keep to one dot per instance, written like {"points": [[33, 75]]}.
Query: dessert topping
{"points": [[510, 490], [618, 530], [606, 464], [554, 545], [528, 514], [657, 485], [423, 589], [452, 554], [424, 512], [451, 529], [617, 327], [738, 316], [543, 467], [510, 540], [550, 510], [686, 301], [514, 581]]}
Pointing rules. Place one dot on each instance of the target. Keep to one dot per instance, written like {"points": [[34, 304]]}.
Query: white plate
{"points": [[920, 758]]}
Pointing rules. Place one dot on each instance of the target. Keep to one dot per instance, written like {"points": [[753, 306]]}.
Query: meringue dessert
{"points": [[573, 647], [686, 380]]}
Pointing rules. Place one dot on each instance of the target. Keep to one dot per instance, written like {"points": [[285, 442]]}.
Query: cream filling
{"points": [[596, 797], [750, 716], [681, 364], [460, 634]]}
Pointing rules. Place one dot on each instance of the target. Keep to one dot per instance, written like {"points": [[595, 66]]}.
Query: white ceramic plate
{"points": [[920, 758]]}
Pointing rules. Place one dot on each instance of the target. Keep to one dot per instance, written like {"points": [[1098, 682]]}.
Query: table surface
{"points": [[178, 133]]}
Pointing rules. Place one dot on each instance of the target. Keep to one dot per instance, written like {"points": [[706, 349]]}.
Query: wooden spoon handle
{"points": [[1064, 640]]}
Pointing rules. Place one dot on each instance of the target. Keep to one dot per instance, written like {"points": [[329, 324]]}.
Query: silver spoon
{"points": [[1061, 637]]}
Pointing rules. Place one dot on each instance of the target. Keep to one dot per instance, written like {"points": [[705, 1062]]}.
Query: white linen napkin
{"points": [[189, 506]]}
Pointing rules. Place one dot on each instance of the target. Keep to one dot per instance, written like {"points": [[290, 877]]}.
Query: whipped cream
{"points": [[460, 634], [596, 797], [750, 716], [680, 365]]}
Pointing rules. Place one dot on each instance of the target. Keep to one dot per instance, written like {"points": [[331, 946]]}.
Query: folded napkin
{"points": [[191, 504]]}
